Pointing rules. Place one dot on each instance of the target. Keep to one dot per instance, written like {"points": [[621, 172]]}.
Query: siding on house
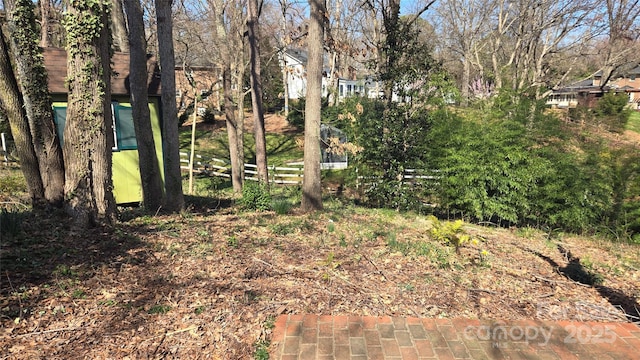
{"points": [[127, 185]]}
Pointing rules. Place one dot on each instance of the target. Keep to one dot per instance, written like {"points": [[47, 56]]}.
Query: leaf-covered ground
{"points": [[209, 282]]}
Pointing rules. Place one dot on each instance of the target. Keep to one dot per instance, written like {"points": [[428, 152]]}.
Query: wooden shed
{"points": [[127, 185]]}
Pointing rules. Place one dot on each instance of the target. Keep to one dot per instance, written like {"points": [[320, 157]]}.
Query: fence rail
{"points": [[291, 175], [6, 148]]}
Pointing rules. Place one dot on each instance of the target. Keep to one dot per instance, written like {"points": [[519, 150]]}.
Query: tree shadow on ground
{"points": [[48, 251], [575, 271]]}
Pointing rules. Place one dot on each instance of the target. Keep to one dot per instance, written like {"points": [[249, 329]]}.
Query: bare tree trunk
{"points": [[152, 187], [33, 79], [231, 59], [12, 107], [88, 132], [232, 132], [240, 115], [119, 25], [311, 186], [285, 84], [45, 9], [285, 68], [174, 198], [256, 92]]}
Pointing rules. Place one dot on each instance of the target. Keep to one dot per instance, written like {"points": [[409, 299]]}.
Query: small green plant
{"points": [[159, 309], [65, 271], [331, 226], [262, 350], [256, 196], [232, 241], [526, 232], [109, 302], [343, 241], [78, 294], [281, 207], [200, 309], [451, 232]]}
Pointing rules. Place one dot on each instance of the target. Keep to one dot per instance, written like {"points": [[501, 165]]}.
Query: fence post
{"points": [[4, 148]]}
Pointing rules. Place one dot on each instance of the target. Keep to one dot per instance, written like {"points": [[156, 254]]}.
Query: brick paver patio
{"points": [[309, 337]]}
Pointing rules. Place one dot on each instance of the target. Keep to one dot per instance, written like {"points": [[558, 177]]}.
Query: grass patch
{"points": [[159, 309], [634, 121]]}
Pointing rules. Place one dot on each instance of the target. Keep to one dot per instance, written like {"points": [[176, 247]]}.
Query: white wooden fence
{"points": [[291, 175]]}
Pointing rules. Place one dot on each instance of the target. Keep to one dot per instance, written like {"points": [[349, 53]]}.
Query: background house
{"points": [[295, 62], [585, 93], [198, 80]]}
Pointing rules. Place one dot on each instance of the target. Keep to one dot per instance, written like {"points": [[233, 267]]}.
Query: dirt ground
{"points": [[208, 283]]}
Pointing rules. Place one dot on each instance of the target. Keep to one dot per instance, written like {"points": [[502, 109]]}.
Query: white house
{"points": [[295, 61]]}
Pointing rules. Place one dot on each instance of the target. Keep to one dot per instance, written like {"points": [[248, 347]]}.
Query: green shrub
{"points": [[281, 206], [612, 111], [255, 196], [296, 113]]}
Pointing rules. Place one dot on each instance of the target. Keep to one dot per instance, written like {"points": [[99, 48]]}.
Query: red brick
{"points": [[414, 321], [310, 321], [291, 345], [619, 330], [444, 354], [390, 347], [372, 337], [563, 353], [355, 330], [403, 338], [374, 352], [448, 332], [630, 326], [325, 330], [399, 323], [342, 352], [290, 357], [294, 329], [308, 351], [424, 347], [408, 353], [296, 317], [443, 322], [385, 320], [325, 346], [369, 322], [461, 324], [635, 342], [340, 322], [325, 319], [358, 346], [479, 354], [278, 331], [341, 336], [458, 349], [429, 324], [309, 336]]}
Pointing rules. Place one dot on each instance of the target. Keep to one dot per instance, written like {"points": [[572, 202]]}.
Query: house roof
{"points": [[55, 61], [298, 55]]}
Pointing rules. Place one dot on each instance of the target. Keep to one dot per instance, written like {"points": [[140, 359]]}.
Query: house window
{"points": [[123, 129], [341, 91], [60, 118]]}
